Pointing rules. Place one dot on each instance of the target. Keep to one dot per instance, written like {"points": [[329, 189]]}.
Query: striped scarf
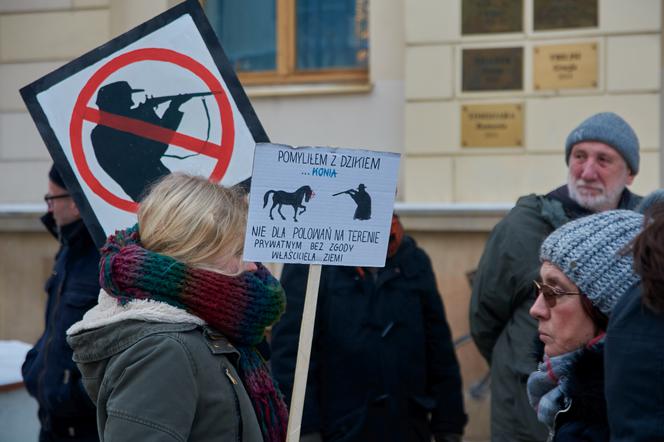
{"points": [[549, 388], [240, 307]]}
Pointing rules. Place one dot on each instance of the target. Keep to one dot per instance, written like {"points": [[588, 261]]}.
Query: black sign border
{"points": [[29, 94]]}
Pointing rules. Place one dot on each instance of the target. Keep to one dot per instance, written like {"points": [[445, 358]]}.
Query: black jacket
{"points": [[382, 356], [586, 419], [49, 373], [634, 371]]}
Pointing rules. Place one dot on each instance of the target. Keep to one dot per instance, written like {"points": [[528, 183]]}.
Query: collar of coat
{"points": [[109, 311], [627, 201]]}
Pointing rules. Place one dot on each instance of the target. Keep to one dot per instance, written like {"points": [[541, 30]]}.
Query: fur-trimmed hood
{"points": [[109, 311]]}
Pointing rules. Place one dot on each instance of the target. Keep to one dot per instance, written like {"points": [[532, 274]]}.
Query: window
{"points": [[293, 41]]}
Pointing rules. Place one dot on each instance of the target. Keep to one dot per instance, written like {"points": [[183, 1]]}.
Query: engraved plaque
{"points": [[564, 14], [496, 69], [565, 66], [492, 125], [491, 16]]}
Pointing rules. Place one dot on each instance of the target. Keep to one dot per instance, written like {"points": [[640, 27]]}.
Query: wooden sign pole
{"points": [[303, 354]]}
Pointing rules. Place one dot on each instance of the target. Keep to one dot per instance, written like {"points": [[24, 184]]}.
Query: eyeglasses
{"points": [[551, 294], [49, 198]]}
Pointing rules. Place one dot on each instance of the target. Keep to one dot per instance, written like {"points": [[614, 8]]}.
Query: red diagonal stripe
{"points": [[152, 132]]}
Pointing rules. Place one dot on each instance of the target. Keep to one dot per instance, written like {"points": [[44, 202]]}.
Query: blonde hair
{"points": [[193, 220]]}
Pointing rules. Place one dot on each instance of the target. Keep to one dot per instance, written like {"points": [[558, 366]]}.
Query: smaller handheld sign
{"points": [[320, 205]]}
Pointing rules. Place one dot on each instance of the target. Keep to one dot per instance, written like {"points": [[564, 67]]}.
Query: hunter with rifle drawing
{"points": [[362, 199], [134, 161]]}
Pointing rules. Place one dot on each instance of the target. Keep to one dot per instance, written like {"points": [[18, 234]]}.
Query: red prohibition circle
{"points": [[148, 54]]}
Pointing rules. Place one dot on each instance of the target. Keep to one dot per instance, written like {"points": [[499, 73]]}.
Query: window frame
{"points": [[286, 71]]}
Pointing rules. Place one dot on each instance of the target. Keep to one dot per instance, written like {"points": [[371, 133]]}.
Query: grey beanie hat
{"points": [[590, 251], [651, 200], [610, 129]]}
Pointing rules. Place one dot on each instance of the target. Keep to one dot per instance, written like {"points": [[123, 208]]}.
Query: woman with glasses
{"points": [[586, 268]]}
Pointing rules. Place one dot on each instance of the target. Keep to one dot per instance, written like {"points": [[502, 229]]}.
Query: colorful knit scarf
{"points": [[240, 307]]}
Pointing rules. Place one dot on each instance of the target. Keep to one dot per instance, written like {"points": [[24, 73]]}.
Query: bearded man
{"points": [[602, 155]]}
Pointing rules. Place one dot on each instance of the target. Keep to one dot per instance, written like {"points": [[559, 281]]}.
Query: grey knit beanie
{"points": [[610, 129], [591, 252], [651, 200]]}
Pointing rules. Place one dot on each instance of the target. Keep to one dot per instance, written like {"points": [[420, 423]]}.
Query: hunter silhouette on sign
{"points": [[279, 198], [134, 161], [363, 201]]}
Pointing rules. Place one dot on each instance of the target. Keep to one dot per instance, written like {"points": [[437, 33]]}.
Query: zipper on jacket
{"points": [[230, 376], [238, 410], [552, 431]]}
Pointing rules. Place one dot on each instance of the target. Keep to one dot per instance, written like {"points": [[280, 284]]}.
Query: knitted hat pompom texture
{"points": [[592, 253], [610, 129]]}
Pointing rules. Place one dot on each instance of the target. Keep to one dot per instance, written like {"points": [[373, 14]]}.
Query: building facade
{"points": [[470, 92]]}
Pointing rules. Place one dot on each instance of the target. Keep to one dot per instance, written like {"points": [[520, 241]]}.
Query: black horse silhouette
{"points": [[279, 197]]}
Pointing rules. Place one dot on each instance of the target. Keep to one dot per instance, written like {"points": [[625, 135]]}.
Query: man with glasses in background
{"points": [[602, 155], [66, 412]]}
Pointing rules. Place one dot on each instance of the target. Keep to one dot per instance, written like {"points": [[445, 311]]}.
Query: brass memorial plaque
{"points": [[492, 125], [564, 14], [495, 69], [565, 66], [491, 16]]}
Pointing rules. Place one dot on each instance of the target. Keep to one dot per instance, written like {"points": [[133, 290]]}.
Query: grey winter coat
{"points": [[163, 381]]}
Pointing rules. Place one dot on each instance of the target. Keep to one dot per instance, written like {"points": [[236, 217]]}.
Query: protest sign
{"points": [[321, 205], [318, 205], [158, 99]]}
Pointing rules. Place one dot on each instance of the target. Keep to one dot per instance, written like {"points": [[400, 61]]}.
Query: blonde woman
{"points": [[169, 353]]}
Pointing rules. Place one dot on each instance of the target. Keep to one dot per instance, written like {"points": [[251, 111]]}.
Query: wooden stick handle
{"points": [[303, 354]]}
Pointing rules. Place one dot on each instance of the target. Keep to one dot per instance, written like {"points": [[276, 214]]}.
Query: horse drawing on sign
{"points": [[279, 198]]}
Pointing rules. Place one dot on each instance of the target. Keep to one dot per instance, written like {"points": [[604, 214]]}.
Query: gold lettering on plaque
{"points": [[565, 66], [492, 125]]}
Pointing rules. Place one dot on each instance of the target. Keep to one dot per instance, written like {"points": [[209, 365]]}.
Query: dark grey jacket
{"points": [[163, 381], [65, 411]]}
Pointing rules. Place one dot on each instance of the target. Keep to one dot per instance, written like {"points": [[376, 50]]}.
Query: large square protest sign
{"points": [[158, 99], [321, 205]]}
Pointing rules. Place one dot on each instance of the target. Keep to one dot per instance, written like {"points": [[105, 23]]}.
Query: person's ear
{"points": [[74, 208], [630, 178]]}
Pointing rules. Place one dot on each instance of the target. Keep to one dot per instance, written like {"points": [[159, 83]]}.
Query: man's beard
{"points": [[606, 200]]}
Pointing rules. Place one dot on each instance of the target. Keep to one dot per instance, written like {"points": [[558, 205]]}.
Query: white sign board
{"points": [[320, 205], [159, 99]]}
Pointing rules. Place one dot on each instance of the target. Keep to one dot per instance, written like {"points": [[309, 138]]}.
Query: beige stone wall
{"points": [[36, 37], [438, 169], [27, 261]]}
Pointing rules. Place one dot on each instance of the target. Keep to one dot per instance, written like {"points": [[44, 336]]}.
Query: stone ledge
{"points": [[21, 218], [422, 217], [451, 217]]}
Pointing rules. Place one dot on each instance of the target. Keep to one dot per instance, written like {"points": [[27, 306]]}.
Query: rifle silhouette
{"points": [[156, 101], [345, 191]]}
